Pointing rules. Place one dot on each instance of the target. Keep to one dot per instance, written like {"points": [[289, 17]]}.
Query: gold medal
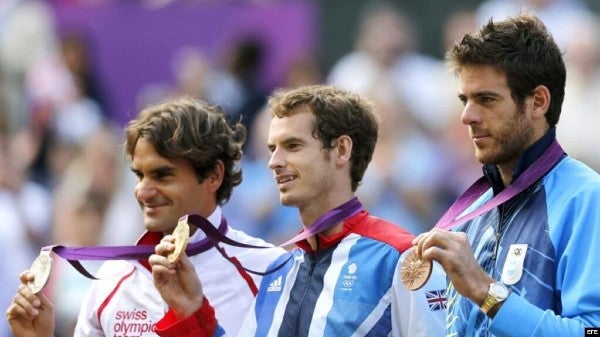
{"points": [[182, 236], [40, 268], [414, 272]]}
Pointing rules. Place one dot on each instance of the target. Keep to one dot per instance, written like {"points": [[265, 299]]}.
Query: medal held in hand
{"points": [[40, 268], [182, 236], [414, 272]]}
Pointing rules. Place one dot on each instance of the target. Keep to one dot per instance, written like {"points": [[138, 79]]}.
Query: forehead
{"points": [[145, 154], [477, 78], [299, 124]]}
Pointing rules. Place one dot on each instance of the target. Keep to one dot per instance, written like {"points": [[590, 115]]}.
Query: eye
{"points": [[138, 174], [162, 175], [294, 146], [486, 99]]}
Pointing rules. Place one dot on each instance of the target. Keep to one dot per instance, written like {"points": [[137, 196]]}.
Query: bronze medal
{"points": [[182, 236], [414, 272], [40, 268]]}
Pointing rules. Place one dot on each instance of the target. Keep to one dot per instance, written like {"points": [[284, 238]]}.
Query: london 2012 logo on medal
{"points": [[40, 268], [414, 272]]}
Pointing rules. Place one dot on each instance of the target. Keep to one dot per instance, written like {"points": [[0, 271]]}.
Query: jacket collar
{"points": [[325, 242], [153, 238], [532, 153]]}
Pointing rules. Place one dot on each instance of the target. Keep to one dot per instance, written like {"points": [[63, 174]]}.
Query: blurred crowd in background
{"points": [[64, 179]]}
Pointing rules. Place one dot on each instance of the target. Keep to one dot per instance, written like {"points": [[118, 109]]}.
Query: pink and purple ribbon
{"points": [[140, 252], [213, 237], [553, 154]]}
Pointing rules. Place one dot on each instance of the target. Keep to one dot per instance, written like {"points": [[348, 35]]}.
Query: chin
{"points": [[286, 200], [484, 157], [153, 226]]}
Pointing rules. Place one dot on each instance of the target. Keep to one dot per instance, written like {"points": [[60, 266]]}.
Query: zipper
{"points": [[498, 235], [308, 283]]}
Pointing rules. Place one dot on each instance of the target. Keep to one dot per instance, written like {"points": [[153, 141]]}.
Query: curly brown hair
{"points": [[195, 131]]}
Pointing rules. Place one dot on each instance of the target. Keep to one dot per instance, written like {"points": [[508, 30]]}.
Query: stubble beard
{"points": [[511, 141]]}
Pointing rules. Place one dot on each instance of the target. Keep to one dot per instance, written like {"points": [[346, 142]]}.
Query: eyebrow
{"points": [[480, 94], [288, 141], [161, 170]]}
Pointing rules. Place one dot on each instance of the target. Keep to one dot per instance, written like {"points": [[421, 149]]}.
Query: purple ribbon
{"points": [[533, 173], [213, 236], [326, 221], [140, 252]]}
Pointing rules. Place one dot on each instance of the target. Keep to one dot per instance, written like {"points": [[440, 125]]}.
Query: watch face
{"points": [[499, 290]]}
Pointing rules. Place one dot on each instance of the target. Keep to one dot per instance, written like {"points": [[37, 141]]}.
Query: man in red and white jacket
{"points": [[185, 157]]}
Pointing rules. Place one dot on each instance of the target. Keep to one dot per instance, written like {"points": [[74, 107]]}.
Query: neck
{"points": [[506, 173], [311, 213]]}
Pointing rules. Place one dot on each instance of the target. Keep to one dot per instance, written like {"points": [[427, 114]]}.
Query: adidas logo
{"points": [[275, 285]]}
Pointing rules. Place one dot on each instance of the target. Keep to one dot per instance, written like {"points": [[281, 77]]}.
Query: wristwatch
{"points": [[497, 293]]}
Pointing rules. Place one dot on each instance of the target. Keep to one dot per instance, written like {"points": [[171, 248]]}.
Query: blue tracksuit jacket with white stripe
{"points": [[545, 244], [349, 286]]}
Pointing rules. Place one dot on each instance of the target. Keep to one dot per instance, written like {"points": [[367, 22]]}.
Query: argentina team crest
{"points": [[513, 265]]}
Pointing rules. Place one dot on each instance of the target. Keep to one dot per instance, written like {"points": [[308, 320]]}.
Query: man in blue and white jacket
{"points": [[528, 267], [342, 281]]}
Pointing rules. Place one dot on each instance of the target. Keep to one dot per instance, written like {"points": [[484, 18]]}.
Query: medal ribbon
{"points": [[213, 236], [326, 221], [74, 254], [553, 154]]}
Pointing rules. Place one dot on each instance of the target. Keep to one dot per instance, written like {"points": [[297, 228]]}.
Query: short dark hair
{"points": [[337, 112], [521, 48], [193, 130]]}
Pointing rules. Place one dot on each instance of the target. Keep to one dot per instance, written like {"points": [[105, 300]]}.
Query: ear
{"points": [[344, 149], [541, 101], [215, 177]]}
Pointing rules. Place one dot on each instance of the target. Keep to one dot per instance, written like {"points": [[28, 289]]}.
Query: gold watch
{"points": [[497, 293]]}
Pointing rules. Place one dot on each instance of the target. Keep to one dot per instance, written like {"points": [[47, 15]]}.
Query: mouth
{"points": [[150, 209], [479, 137], [284, 179]]}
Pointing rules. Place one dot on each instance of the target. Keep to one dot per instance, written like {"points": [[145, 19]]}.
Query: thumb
{"points": [[44, 300]]}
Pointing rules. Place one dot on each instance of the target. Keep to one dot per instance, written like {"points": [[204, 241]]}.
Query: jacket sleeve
{"points": [[575, 232], [420, 313], [201, 323]]}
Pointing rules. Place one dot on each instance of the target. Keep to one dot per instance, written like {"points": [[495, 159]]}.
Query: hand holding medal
{"points": [[414, 272]]}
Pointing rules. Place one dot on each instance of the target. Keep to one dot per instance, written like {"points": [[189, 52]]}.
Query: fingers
{"points": [[45, 302], [186, 266], [437, 244], [160, 264], [25, 303], [158, 261], [427, 242], [26, 277], [166, 245]]}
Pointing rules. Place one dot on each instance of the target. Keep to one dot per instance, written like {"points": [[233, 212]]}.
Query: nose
{"points": [[470, 114], [276, 160], [144, 190]]}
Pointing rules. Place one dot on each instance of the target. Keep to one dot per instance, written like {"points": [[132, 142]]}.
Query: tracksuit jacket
{"points": [[545, 245], [125, 303], [349, 286]]}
